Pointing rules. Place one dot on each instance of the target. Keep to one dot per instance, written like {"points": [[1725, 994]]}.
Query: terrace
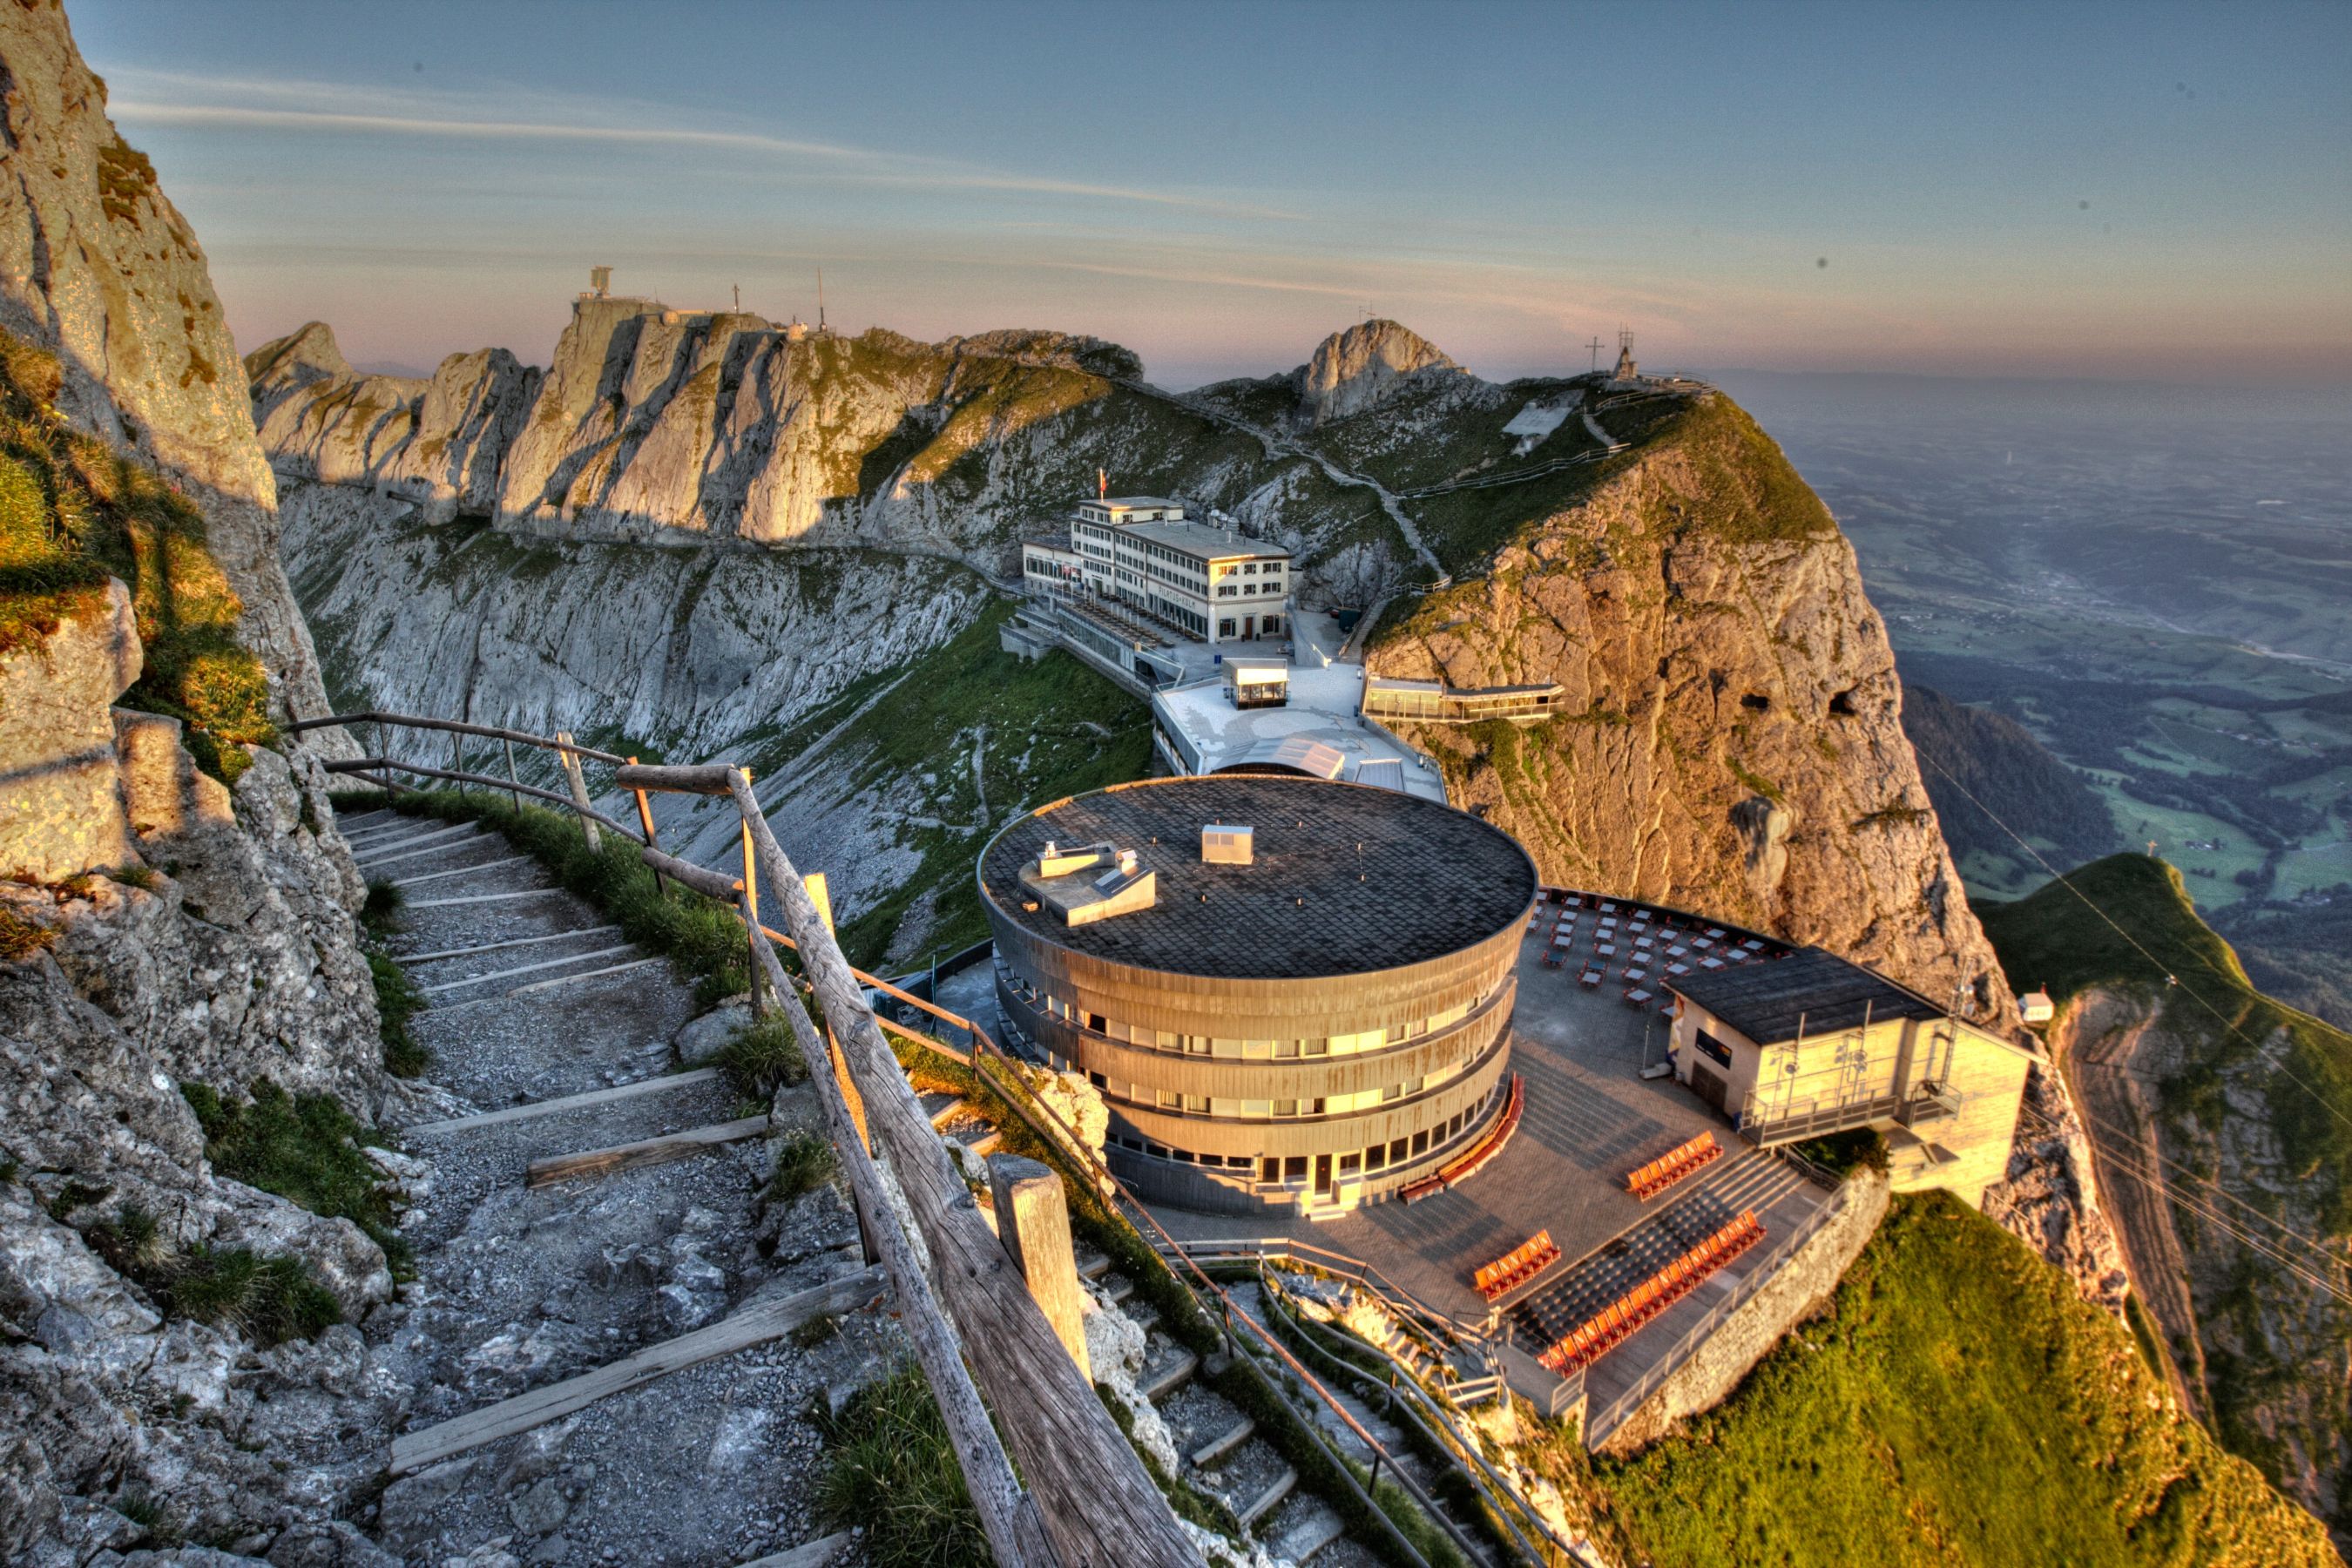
{"points": [[1590, 1122]]}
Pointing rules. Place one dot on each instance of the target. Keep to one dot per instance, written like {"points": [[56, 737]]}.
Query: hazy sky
{"points": [[2073, 189]]}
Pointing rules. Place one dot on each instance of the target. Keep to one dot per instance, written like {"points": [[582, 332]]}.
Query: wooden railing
{"points": [[974, 1326]]}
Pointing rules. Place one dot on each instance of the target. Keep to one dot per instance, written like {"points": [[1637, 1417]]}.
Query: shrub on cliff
{"points": [[73, 513]]}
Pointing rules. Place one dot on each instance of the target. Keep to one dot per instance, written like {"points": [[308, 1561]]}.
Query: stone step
{"points": [[1174, 1376], [1266, 1501], [1116, 1287], [1310, 1535], [1224, 1443], [1093, 1264]]}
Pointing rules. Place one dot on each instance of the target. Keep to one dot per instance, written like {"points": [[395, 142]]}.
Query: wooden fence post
{"points": [[752, 914], [1032, 1220], [579, 782], [645, 821], [457, 760], [1098, 1505], [515, 783]]}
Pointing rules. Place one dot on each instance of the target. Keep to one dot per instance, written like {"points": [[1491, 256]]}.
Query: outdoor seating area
{"points": [[1640, 946], [1469, 1164], [1626, 1316], [1515, 1268], [1664, 1172]]}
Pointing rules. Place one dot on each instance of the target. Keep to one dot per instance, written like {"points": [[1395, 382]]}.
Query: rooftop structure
{"points": [[1809, 1043], [1310, 1010]]}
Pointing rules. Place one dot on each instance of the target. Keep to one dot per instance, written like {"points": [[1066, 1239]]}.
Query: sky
{"points": [[2138, 192]]}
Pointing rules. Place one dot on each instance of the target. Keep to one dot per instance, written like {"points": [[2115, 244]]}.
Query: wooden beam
{"points": [[1098, 1505], [413, 1451], [686, 873], [647, 1151], [411, 720], [710, 779], [577, 783], [377, 765], [567, 1102]]}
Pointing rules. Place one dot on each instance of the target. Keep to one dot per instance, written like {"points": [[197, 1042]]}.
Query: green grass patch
{"points": [[805, 1162], [268, 1299], [73, 513], [304, 1148], [893, 1474], [1958, 1404], [763, 1057]]}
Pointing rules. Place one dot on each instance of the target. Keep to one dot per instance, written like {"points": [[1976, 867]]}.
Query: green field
{"points": [[1959, 1404]]}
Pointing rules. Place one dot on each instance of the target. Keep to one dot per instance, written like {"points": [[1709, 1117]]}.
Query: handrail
{"points": [[1626, 1403], [1408, 1392], [504, 787], [412, 722]]}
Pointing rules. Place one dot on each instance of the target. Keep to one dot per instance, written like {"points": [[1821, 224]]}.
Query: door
{"points": [[1249, 627], [1709, 1086], [1322, 1175]]}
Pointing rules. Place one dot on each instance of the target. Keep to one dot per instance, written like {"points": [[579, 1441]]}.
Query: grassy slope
{"points": [[1958, 1404], [2052, 938], [73, 513], [1040, 747]]}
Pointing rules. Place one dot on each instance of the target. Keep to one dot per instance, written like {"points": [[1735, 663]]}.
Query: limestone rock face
{"points": [[60, 808], [1726, 737], [97, 266], [436, 441], [1356, 369]]}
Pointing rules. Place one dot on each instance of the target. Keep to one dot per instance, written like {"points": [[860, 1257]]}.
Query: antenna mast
{"points": [[820, 299], [1595, 346]]}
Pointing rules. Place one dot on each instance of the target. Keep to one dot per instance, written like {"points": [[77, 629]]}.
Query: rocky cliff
{"points": [[2219, 1128], [177, 939], [654, 425], [1359, 369], [99, 268], [1728, 730]]}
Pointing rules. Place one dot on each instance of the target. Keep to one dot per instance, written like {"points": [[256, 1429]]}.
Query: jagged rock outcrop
{"points": [[229, 956], [682, 426], [1359, 368], [1727, 735], [97, 266], [436, 441]]}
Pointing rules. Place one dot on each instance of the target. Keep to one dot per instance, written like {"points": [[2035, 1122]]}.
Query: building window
{"points": [[1269, 1170], [1715, 1050], [1377, 1157], [1225, 627], [1351, 1164], [1293, 1169], [1285, 1107]]}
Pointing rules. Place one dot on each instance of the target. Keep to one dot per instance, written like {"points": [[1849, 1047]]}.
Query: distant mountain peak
{"points": [[1355, 369]]}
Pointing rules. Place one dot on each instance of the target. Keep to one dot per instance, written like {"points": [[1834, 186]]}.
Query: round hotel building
{"points": [[1293, 994]]}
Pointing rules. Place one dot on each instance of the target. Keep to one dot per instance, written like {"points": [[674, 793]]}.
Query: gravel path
{"points": [[517, 1288]]}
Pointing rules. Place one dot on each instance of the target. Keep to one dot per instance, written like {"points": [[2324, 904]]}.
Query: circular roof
{"points": [[1345, 879]]}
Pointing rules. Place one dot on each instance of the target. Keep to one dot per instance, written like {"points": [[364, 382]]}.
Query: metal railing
{"points": [[1597, 1427]]}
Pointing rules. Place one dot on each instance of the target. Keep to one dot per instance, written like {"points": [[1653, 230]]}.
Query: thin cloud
{"points": [[861, 164]]}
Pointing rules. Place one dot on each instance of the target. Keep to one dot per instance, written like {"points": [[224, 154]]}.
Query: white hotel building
{"points": [[1209, 583]]}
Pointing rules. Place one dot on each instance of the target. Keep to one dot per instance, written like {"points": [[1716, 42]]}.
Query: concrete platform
{"points": [[1589, 1120]]}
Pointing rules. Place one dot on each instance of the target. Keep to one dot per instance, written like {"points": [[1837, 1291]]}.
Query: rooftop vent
{"points": [[1221, 845]]}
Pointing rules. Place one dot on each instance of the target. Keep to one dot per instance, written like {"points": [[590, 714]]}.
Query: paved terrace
{"points": [[1326, 692], [1589, 1120]]}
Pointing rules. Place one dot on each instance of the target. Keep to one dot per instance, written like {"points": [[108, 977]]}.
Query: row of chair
{"points": [[1673, 1165], [1626, 1316], [1467, 1165], [1517, 1267]]}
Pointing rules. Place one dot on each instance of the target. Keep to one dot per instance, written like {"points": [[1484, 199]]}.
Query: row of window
{"points": [[1269, 1109], [1293, 1169], [1267, 626], [1233, 1049], [1245, 590]]}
